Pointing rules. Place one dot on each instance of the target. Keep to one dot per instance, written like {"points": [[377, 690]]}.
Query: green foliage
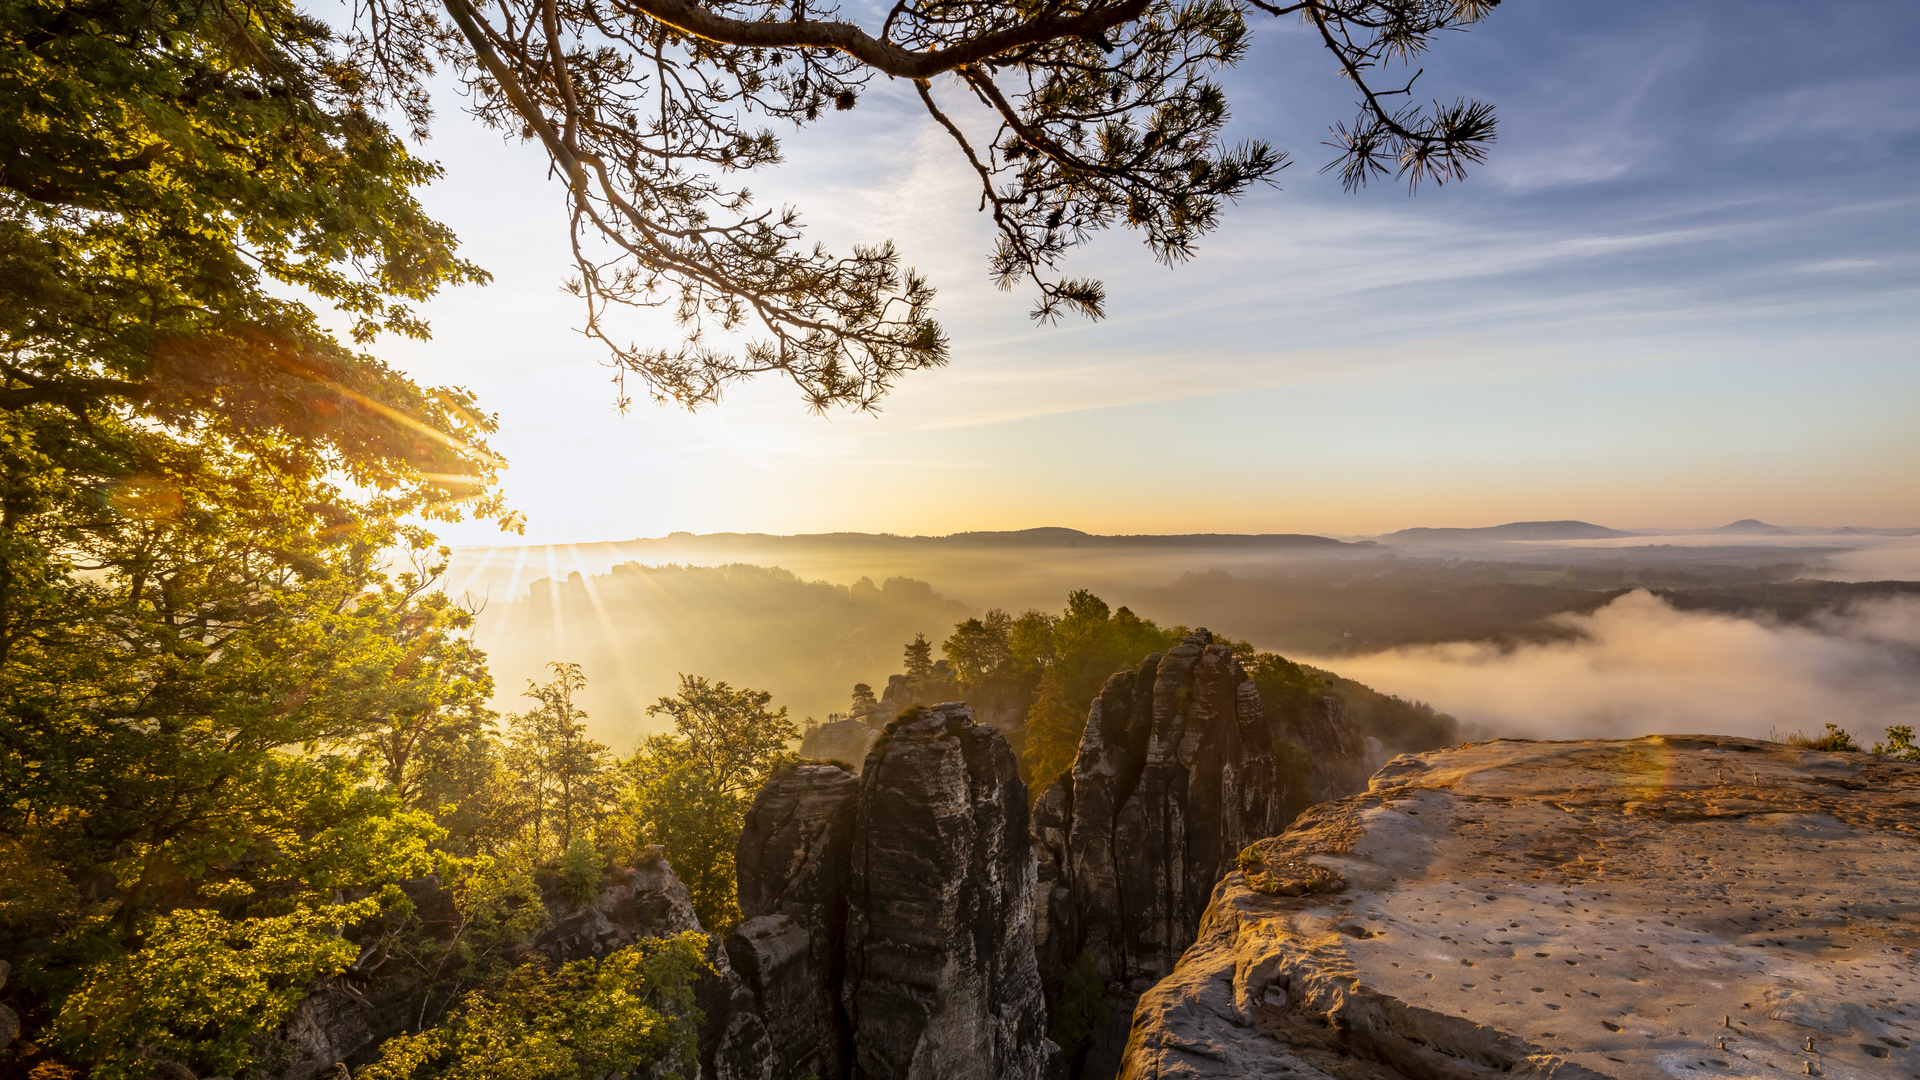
{"points": [[1899, 744], [173, 170], [498, 910], [1286, 689], [559, 774], [689, 791], [729, 734], [1399, 724], [863, 700], [582, 870], [1053, 734], [198, 982], [201, 987], [630, 1012], [1078, 1009], [671, 801], [217, 701], [919, 657], [980, 651], [1057, 664], [1293, 779]]}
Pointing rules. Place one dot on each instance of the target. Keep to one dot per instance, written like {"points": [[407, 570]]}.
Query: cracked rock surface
{"points": [[1696, 906], [941, 981]]}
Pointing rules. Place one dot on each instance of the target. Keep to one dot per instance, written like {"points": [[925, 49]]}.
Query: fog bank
{"points": [[1638, 666]]}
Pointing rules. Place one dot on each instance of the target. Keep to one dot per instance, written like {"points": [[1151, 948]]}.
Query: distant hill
{"points": [[1014, 569], [1513, 530], [1073, 538], [1750, 527]]}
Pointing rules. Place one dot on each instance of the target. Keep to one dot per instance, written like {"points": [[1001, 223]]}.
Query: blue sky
{"points": [[1682, 291]]}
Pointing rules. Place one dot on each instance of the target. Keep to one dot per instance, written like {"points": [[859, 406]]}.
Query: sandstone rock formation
{"points": [[1337, 760], [1668, 906], [941, 982], [1174, 776], [845, 741], [794, 866]]}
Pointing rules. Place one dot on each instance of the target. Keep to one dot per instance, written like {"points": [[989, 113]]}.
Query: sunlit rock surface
{"points": [[1672, 906], [941, 982]]}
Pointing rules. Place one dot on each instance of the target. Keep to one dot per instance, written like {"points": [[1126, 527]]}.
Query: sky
{"points": [[1682, 291]]}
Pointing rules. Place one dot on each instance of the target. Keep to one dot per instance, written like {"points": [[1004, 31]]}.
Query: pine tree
{"points": [[919, 656]]}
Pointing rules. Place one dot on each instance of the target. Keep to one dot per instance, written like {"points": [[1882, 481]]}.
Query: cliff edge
{"points": [[1677, 905]]}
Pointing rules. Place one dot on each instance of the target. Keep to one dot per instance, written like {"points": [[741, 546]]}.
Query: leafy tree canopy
{"points": [[689, 791], [168, 172]]}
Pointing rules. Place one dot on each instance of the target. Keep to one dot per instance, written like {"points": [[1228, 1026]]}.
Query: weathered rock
{"points": [[1052, 901], [1174, 775], [1655, 907], [1338, 759], [793, 864], [839, 741], [941, 980], [644, 901]]}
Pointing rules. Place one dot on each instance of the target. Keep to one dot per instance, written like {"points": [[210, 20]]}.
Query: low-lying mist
{"points": [[1640, 666]]}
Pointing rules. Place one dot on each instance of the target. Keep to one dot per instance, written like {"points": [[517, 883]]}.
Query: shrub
{"points": [[1899, 744], [581, 870]]}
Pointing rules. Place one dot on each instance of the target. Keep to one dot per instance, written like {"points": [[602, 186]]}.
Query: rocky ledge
{"points": [[1675, 906]]}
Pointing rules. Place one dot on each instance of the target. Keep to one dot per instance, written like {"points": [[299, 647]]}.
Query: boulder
{"points": [[1674, 905], [633, 904], [794, 864], [941, 982]]}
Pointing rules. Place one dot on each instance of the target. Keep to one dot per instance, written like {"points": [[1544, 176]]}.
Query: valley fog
{"points": [[1541, 630], [1639, 665]]}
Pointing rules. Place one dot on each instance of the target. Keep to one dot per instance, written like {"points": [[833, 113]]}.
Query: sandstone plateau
{"points": [[1692, 906]]}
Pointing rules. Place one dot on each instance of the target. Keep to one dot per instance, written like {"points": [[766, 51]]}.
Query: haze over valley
{"points": [[959, 540], [1541, 629]]}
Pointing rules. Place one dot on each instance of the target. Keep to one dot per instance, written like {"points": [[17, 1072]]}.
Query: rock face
{"points": [[1680, 905], [839, 741], [1174, 776], [1334, 761], [794, 865], [941, 981]]}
